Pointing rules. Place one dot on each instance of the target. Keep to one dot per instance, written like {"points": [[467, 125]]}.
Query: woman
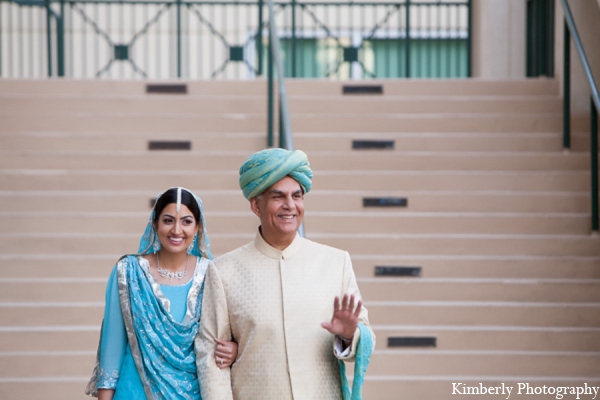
{"points": [[153, 303]]}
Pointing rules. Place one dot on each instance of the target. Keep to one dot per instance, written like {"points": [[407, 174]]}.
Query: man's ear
{"points": [[254, 206]]}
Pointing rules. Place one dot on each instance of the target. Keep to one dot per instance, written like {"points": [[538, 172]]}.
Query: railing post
{"points": [[282, 142], [293, 38], [270, 95], [49, 37], [594, 164], [407, 39], [470, 37], [566, 87], [60, 40], [0, 41], [259, 38], [179, 38]]}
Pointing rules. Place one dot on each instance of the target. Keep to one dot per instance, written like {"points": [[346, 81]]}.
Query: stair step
{"points": [[149, 123], [53, 290], [51, 314], [91, 87], [48, 364], [70, 388], [506, 338], [389, 362], [243, 122], [94, 265], [391, 244], [493, 267], [461, 313], [457, 313], [69, 104], [128, 200], [477, 244], [428, 87], [318, 222], [389, 104], [442, 141], [256, 103], [53, 140], [320, 161], [347, 122], [31, 179], [248, 141], [452, 289], [372, 289], [42, 338], [483, 363], [85, 338]]}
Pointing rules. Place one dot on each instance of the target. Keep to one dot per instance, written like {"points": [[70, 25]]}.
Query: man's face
{"points": [[280, 209]]}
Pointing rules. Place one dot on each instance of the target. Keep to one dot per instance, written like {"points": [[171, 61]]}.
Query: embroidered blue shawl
{"points": [[363, 357]]}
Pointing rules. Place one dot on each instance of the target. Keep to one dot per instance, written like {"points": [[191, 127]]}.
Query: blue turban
{"points": [[266, 167]]}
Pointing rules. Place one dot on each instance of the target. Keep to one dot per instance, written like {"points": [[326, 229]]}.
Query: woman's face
{"points": [[176, 230]]}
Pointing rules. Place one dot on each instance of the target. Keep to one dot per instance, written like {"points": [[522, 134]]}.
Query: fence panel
{"points": [[133, 39]]}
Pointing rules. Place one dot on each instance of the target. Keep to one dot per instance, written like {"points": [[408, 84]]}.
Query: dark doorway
{"points": [[540, 38]]}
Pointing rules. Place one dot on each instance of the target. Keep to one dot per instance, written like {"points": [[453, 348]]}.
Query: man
{"points": [[273, 295]]}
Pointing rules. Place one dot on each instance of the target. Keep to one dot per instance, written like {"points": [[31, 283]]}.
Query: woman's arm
{"points": [[113, 340], [105, 394]]}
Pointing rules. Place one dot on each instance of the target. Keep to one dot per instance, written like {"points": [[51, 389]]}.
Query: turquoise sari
{"points": [[146, 348]]}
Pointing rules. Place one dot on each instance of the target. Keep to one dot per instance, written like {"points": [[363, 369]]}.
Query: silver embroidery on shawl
{"points": [[128, 319], [145, 264], [193, 294]]}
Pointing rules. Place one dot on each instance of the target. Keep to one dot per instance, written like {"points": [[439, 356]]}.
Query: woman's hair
{"points": [[170, 196]]}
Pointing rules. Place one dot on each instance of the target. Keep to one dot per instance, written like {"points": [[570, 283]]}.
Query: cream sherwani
{"points": [[272, 303]]}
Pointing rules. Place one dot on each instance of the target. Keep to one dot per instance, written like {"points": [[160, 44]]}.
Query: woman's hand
{"points": [[225, 353]]}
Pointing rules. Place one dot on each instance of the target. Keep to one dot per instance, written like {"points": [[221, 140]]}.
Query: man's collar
{"points": [[272, 252]]}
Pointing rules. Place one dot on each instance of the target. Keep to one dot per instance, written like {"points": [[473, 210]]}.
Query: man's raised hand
{"points": [[345, 318]]}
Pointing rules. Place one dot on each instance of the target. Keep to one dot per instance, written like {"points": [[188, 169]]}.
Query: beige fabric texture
{"points": [[272, 304]]}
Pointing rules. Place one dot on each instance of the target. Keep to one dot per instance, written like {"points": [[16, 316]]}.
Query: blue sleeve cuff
{"points": [[108, 380]]}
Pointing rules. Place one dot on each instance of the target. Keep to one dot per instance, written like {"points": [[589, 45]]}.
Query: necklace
{"points": [[165, 273]]}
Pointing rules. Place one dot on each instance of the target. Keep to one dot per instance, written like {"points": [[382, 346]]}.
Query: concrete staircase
{"points": [[497, 219]]}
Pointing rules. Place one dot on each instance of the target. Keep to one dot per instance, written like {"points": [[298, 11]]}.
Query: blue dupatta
{"points": [[162, 348], [363, 357]]}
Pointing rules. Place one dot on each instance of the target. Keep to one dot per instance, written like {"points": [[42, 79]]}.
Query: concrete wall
{"points": [[499, 38], [499, 43]]}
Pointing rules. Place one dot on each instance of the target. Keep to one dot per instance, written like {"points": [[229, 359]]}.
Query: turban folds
{"points": [[265, 168]]}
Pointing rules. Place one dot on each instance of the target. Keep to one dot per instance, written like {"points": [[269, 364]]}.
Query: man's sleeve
{"points": [[215, 383], [351, 287]]}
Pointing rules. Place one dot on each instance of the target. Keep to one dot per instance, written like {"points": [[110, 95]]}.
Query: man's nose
{"points": [[289, 202]]}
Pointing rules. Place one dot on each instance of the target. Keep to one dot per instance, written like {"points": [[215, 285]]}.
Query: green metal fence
{"points": [[227, 39]]}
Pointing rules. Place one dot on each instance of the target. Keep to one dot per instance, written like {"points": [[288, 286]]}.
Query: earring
{"points": [[191, 246], [156, 245]]}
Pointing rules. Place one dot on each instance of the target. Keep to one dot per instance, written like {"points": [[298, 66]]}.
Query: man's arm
{"points": [[215, 383]]}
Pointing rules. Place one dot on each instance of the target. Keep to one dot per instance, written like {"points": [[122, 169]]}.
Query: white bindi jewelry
{"points": [[165, 273], [178, 199]]}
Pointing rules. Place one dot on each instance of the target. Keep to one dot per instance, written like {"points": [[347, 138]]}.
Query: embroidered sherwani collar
{"points": [[271, 252]]}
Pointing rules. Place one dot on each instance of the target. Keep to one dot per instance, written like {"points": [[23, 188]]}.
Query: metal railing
{"points": [[570, 30], [285, 126], [210, 39]]}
